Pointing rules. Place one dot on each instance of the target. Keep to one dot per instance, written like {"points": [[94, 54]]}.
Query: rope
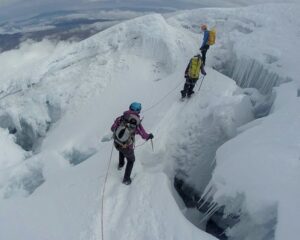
{"points": [[9, 94], [103, 192], [139, 145], [106, 176], [163, 98]]}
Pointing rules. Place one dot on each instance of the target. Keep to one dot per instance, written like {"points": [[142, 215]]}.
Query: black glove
{"points": [[150, 136], [201, 48]]}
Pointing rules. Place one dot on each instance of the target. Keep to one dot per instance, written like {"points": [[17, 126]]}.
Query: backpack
{"points": [[194, 67], [125, 132], [212, 37]]}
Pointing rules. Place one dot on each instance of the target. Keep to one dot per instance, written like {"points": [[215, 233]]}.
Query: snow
{"points": [[69, 113], [61, 99], [12, 151], [269, 176], [254, 46], [257, 172]]}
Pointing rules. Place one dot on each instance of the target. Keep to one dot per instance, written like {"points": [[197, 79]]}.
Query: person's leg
{"points": [[203, 53], [121, 156], [129, 154], [191, 87], [121, 160], [185, 88]]}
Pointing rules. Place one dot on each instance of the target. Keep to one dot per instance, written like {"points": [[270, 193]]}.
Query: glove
{"points": [[201, 48], [150, 136]]}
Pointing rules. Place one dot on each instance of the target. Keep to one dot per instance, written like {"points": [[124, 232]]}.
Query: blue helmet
{"points": [[135, 106]]}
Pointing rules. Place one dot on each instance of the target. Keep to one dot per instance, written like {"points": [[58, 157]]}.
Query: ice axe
{"points": [[201, 82], [152, 145]]}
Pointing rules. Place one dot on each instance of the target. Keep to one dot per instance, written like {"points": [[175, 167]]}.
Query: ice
{"points": [[79, 91], [17, 177], [76, 156], [23, 179], [268, 180], [264, 63], [12, 154], [262, 104], [240, 148]]}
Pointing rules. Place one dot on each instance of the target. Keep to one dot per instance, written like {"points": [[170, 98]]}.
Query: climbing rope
{"points": [[10, 94], [103, 194], [139, 145], [163, 98], [103, 190]]}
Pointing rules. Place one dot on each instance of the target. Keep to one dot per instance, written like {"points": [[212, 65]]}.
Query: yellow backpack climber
{"points": [[194, 68], [212, 36]]}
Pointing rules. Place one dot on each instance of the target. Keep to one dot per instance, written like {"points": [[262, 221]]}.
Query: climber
{"points": [[124, 130], [192, 73], [205, 44]]}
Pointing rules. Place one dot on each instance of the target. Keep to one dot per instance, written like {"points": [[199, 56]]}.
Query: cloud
{"points": [[16, 9], [7, 2], [10, 9]]}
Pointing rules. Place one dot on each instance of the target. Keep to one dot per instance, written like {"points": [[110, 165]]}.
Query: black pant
{"points": [[203, 53], [188, 87], [127, 153]]}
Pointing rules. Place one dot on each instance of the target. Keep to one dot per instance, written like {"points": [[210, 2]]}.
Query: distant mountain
{"points": [[60, 25]]}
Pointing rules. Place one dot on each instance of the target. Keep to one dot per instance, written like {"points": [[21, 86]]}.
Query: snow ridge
{"points": [[70, 100]]}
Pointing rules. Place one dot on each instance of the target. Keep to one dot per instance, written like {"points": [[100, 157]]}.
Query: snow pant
{"points": [[127, 153], [203, 53], [188, 87]]}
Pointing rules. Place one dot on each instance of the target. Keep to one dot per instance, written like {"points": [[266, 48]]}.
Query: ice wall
{"points": [[250, 73], [256, 47]]}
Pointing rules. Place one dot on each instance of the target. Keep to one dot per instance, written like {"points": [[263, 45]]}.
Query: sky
{"points": [[10, 9], [18, 9]]}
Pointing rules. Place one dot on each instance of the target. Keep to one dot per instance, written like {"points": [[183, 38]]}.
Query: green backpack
{"points": [[194, 68], [212, 37]]}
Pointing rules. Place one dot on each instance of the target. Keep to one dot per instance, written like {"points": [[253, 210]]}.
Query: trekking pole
{"points": [[201, 83], [152, 145]]}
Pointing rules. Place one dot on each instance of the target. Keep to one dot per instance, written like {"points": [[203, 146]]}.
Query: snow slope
{"points": [[69, 102], [75, 85]]}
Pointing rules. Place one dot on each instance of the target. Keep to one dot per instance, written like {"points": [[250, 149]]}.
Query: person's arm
{"points": [[116, 124], [187, 70], [142, 132], [205, 38]]}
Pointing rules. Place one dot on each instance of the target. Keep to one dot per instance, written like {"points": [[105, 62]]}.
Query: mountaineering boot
{"points": [[183, 94], [127, 181], [120, 166], [190, 94]]}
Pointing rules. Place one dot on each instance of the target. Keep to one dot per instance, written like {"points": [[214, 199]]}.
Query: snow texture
{"points": [[59, 99]]}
